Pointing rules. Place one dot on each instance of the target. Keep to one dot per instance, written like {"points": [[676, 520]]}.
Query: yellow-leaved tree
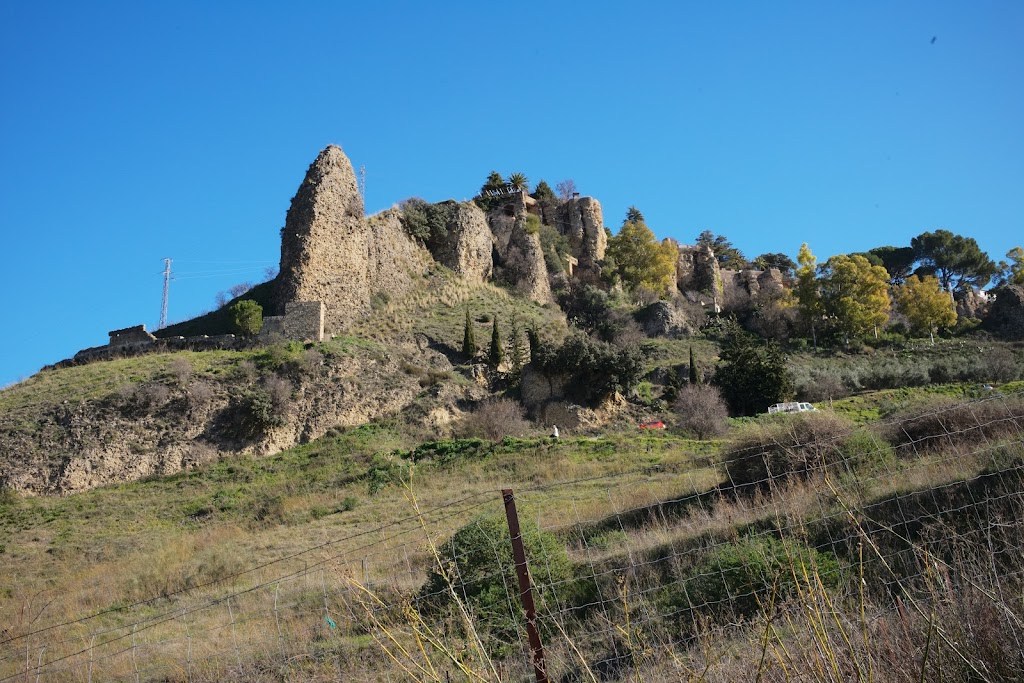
{"points": [[926, 305], [640, 260], [808, 297], [856, 295]]}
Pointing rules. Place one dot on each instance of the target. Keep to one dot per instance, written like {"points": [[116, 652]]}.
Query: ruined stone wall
{"points": [[273, 327], [741, 289], [697, 271], [332, 254], [304, 321], [130, 335], [161, 345]]}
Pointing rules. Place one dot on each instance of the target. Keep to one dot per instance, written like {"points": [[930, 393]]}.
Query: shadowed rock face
{"points": [[662, 319], [519, 257], [582, 221], [331, 253], [697, 271], [1006, 316]]}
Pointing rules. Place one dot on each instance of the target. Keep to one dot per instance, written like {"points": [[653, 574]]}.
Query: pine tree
{"points": [[468, 340], [496, 354], [694, 377]]}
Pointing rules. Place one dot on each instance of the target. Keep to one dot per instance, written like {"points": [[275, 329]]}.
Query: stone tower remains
{"points": [[332, 254]]}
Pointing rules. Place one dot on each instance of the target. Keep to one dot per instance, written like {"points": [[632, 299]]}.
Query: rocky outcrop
{"points": [[467, 244], [662, 319], [1006, 315], [331, 253], [166, 425], [697, 271], [741, 289], [582, 222], [518, 256], [971, 304]]}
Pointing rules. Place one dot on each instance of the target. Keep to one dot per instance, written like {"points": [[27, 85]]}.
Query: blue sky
{"points": [[130, 132]]}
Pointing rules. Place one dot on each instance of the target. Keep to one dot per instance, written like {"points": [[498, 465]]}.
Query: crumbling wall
{"points": [[129, 336], [332, 254], [304, 321], [697, 271]]}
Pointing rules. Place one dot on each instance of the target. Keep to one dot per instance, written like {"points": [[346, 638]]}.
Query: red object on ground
{"points": [[656, 424]]}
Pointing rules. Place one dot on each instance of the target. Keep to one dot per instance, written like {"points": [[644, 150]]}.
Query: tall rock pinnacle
{"points": [[331, 253]]}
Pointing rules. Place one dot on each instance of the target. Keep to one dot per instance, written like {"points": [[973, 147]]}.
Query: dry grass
{"points": [[637, 516]]}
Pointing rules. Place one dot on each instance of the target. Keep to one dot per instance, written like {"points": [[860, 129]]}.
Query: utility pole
{"points": [[163, 303]]}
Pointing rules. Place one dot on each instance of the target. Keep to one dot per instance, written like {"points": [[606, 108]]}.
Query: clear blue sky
{"points": [[138, 130]]}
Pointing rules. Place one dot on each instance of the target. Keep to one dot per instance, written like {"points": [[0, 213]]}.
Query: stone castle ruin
{"points": [[331, 253], [335, 260]]}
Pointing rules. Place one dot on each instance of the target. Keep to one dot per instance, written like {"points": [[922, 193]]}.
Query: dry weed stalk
{"points": [[473, 663]]}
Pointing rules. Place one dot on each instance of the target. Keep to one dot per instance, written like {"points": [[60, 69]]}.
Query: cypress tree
{"points": [[517, 354], [694, 377], [496, 352], [468, 340], [533, 339]]}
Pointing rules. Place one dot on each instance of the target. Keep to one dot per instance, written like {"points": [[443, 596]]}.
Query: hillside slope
{"points": [[74, 428]]}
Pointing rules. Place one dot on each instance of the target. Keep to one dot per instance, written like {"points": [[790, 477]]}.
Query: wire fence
{"points": [[808, 550]]}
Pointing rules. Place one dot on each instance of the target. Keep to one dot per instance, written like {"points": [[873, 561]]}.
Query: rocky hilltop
{"points": [[332, 253], [402, 286]]}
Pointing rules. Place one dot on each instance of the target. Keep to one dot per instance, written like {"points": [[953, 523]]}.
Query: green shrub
{"points": [[820, 385], [246, 317], [287, 358], [555, 247], [532, 225], [966, 326], [256, 410], [425, 221], [752, 375], [596, 369], [739, 578], [477, 563], [384, 471], [864, 449], [999, 365]]}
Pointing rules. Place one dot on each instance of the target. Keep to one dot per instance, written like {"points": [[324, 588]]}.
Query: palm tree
{"points": [[519, 182]]}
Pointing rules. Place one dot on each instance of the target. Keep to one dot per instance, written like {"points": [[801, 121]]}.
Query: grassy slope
{"points": [[114, 546], [120, 544]]}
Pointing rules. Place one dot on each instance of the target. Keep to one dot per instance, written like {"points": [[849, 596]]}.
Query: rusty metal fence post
{"points": [[525, 590]]}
